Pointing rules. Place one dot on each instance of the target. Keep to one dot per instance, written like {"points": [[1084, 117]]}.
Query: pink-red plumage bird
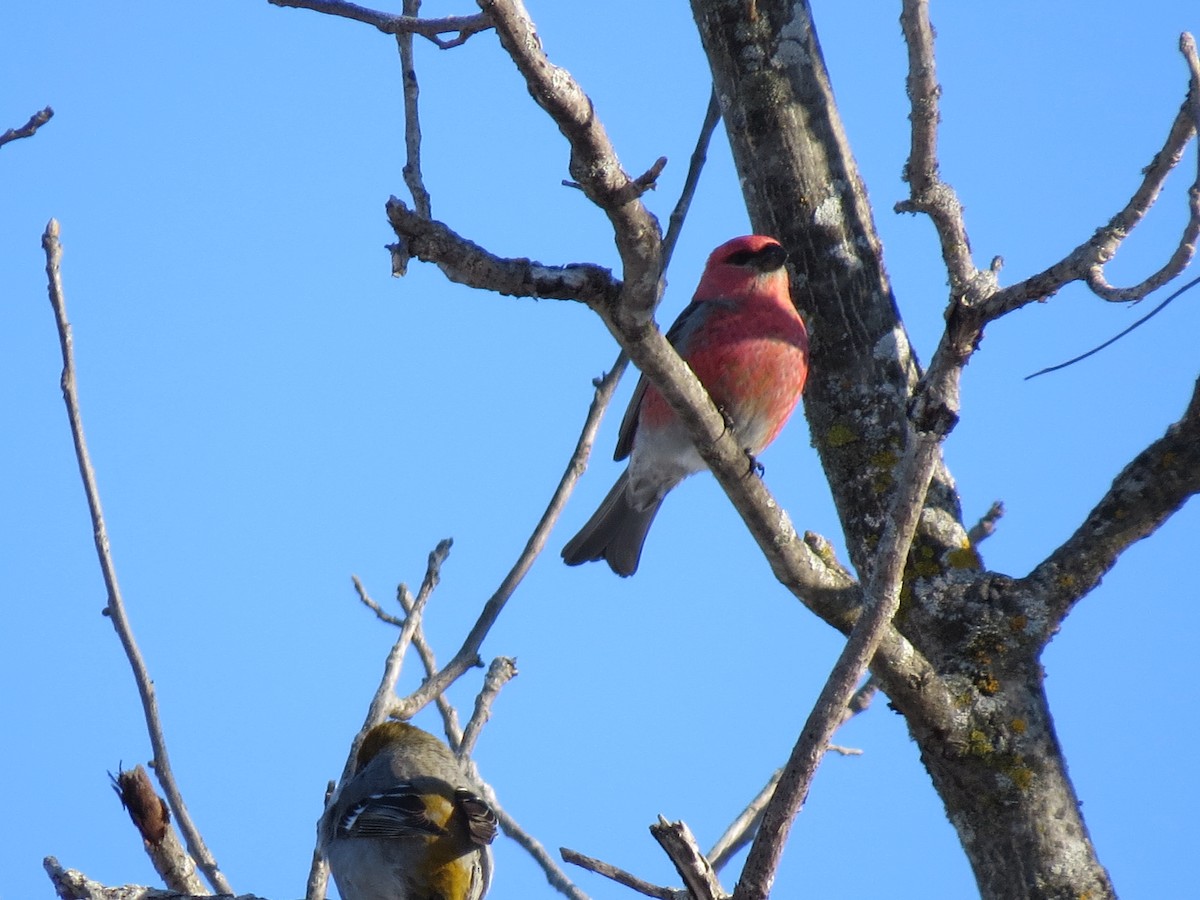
{"points": [[747, 344]]}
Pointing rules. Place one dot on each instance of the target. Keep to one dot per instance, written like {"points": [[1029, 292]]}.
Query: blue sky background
{"points": [[269, 411]]}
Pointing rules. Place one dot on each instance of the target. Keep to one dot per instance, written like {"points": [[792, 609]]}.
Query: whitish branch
{"points": [[115, 609], [433, 29]]}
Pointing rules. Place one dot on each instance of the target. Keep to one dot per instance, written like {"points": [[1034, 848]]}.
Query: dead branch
{"points": [[115, 608], [412, 119], [152, 818], [29, 129], [71, 884], [1156, 483], [433, 29]]}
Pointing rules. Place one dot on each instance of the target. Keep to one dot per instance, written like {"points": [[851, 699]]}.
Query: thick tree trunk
{"points": [[994, 757]]}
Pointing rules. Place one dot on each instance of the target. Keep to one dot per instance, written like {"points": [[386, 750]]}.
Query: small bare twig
{"points": [[986, 526], [502, 670], [1085, 262], [429, 662], [712, 115], [380, 612], [29, 129], [593, 163], [412, 118], [384, 699], [929, 194], [115, 609], [384, 702], [71, 884], [741, 830], [152, 818], [433, 29], [468, 654], [681, 848], [620, 876]]}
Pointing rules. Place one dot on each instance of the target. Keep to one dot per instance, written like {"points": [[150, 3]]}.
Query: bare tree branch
{"points": [[593, 162], [882, 599], [29, 129], [741, 830], [412, 119], [71, 884], [115, 609], [384, 701], [986, 526], [1156, 483], [1086, 261], [930, 194], [429, 662], [467, 263], [699, 877], [620, 876], [502, 670], [152, 818], [463, 26]]}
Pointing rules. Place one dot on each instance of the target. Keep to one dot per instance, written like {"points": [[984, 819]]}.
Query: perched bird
{"points": [[407, 825], [747, 344]]}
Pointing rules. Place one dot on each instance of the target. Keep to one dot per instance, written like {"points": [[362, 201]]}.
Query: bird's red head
{"points": [[743, 264]]}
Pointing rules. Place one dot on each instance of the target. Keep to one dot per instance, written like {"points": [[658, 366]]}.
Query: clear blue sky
{"points": [[269, 411]]}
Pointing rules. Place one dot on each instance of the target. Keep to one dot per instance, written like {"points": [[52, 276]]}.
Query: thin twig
{"points": [[712, 115], [929, 194], [986, 526], [468, 654], [1116, 337], [425, 653], [502, 670], [380, 612], [384, 702], [620, 876], [1084, 261], [29, 129], [593, 162], [741, 830], [882, 600], [116, 605], [462, 26], [384, 697], [412, 118]]}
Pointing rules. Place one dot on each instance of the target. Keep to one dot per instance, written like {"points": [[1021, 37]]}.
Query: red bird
{"points": [[747, 344]]}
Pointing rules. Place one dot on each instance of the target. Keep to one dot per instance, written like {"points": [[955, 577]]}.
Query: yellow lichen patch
{"points": [[987, 683], [1018, 623], [978, 744], [1018, 725], [1021, 775], [965, 558], [840, 435], [923, 562], [1066, 582], [884, 459]]}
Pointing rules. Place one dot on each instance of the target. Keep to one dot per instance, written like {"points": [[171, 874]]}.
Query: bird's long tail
{"points": [[615, 533]]}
